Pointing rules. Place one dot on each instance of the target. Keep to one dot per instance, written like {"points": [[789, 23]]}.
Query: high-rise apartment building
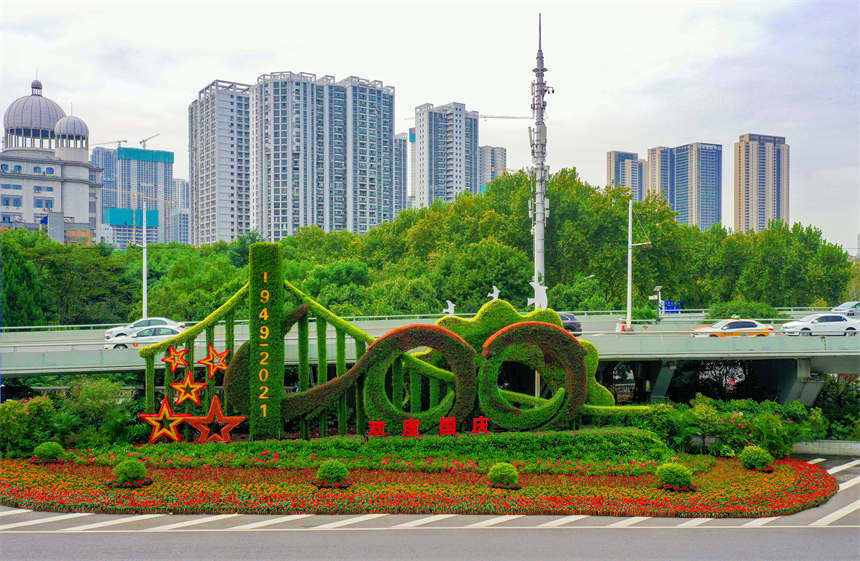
{"points": [[627, 170], [219, 162], [445, 153], [321, 152], [400, 157], [761, 181], [180, 219], [493, 162], [661, 176], [614, 160], [106, 159], [690, 177]]}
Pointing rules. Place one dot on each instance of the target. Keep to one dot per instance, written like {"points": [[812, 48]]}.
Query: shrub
{"points": [[129, 470], [503, 473], [25, 423], [755, 457], [752, 310], [332, 471], [48, 451], [93, 398], [675, 475]]}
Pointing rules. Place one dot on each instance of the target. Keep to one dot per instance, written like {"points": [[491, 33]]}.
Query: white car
{"points": [[850, 309], [825, 323], [127, 330], [143, 337]]}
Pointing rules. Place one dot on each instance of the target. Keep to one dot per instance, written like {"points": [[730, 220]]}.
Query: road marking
{"points": [[628, 522], [759, 522], [112, 522], [850, 483], [562, 521], [192, 522], [269, 522], [495, 520], [423, 521], [837, 469], [44, 520], [816, 461], [348, 521], [693, 523], [834, 516], [15, 511]]}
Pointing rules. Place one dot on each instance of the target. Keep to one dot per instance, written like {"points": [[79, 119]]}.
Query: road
{"points": [[829, 532]]}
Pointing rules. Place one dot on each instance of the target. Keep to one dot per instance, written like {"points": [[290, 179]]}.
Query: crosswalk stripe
{"points": [[693, 523], [850, 483], [834, 516], [495, 520], [348, 521], [628, 522], [192, 522], [44, 520], [112, 522], [816, 461], [759, 522], [562, 521], [423, 521], [837, 469], [15, 511], [270, 522]]}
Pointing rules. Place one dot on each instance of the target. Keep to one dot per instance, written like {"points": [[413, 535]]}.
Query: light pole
{"points": [[630, 246]]}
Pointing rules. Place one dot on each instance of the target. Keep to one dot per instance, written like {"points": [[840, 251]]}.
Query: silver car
{"points": [[850, 309], [826, 323], [142, 337], [126, 330]]}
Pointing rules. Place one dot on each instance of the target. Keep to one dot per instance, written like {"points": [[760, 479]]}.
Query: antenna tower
{"points": [[537, 139]]}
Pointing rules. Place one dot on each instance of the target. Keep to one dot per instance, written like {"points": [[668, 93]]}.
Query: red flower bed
{"points": [[727, 490]]}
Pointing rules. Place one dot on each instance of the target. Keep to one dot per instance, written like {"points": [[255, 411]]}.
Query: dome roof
{"points": [[33, 112], [71, 126]]}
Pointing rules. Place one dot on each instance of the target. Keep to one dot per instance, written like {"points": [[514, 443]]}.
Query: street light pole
{"points": [[145, 304], [630, 246]]}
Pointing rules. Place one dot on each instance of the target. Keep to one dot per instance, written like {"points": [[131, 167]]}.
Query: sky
{"points": [[627, 75]]}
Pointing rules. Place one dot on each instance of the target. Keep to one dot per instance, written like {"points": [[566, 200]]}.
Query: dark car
{"points": [[571, 323]]}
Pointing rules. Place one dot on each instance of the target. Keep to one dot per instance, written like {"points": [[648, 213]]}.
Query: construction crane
{"points": [[117, 142], [145, 140]]}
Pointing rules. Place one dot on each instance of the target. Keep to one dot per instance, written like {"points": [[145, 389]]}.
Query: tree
{"points": [[20, 290]]}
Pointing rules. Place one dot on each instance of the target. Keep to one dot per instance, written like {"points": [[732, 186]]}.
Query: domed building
{"points": [[46, 180]]}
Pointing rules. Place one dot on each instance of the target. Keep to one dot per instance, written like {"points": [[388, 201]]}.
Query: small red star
{"points": [[202, 424], [215, 361], [188, 389], [165, 422], [175, 358]]}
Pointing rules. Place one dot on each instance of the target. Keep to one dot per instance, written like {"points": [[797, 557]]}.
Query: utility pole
{"points": [[537, 139], [630, 246]]}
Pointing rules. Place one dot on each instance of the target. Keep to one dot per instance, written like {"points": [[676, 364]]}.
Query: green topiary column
{"points": [[266, 364]]}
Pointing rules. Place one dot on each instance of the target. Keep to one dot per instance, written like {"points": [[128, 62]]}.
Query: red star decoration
{"points": [[175, 358], [188, 389], [202, 424], [165, 422], [215, 361]]}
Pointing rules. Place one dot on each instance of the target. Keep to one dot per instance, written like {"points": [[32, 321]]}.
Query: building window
{"points": [[4, 167], [16, 169], [37, 188], [37, 169], [49, 171]]}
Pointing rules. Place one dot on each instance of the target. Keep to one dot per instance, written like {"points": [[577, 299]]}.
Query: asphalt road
{"points": [[830, 532]]}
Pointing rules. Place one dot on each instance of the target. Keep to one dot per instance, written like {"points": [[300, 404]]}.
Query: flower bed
{"points": [[726, 490]]}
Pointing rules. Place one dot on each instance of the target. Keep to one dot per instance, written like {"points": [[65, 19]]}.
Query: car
{"points": [[735, 327], [824, 323], [126, 330], [570, 323], [850, 309], [142, 337]]}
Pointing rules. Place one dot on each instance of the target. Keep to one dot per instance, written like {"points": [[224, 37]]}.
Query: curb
{"points": [[828, 447]]}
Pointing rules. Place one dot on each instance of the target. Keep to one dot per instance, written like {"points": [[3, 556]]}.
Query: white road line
{"points": [[562, 521], [192, 522], [15, 511], [112, 522], [348, 521], [759, 522], [44, 520], [850, 483], [423, 521], [816, 461], [493, 521], [628, 522], [834, 516], [837, 469], [269, 522], [693, 523]]}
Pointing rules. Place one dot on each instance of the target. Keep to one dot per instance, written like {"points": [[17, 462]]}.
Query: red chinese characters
{"points": [[480, 424], [447, 426], [410, 427], [376, 428]]}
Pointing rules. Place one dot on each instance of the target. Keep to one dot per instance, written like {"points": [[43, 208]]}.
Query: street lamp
{"points": [[630, 246]]}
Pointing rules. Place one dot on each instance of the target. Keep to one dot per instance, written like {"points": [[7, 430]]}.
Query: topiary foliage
{"points": [[48, 451], [129, 470], [756, 457], [503, 473], [675, 475], [555, 343], [332, 471]]}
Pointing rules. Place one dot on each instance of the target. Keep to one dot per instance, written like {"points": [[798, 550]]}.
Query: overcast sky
{"points": [[628, 75]]}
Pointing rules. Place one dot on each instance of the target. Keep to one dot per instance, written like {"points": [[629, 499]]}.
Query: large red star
{"points": [[175, 358], [202, 424], [165, 422], [188, 389], [215, 361]]}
